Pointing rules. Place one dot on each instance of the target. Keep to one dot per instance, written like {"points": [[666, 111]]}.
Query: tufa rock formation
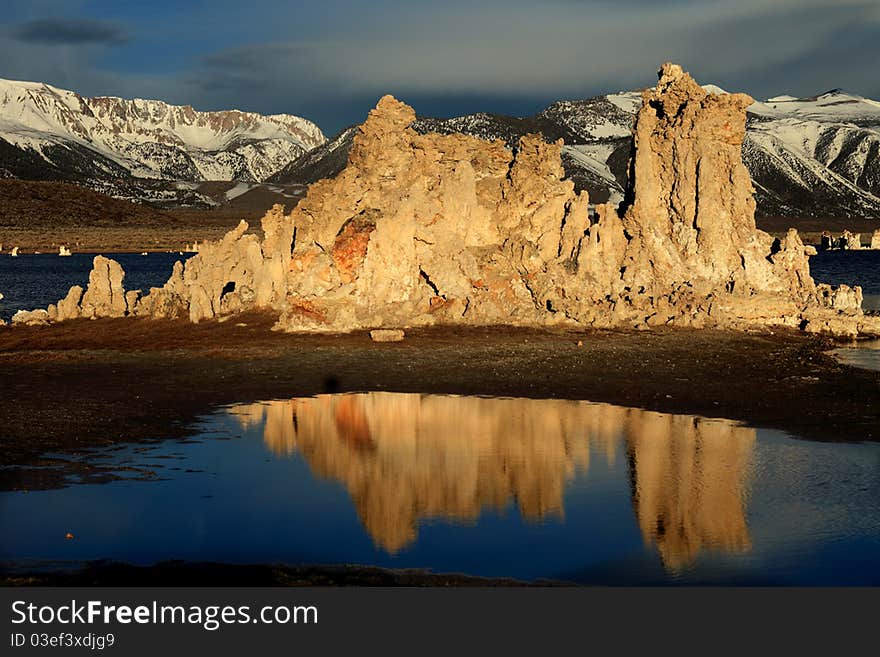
{"points": [[422, 229], [452, 229], [849, 241], [105, 296], [37, 317], [233, 274]]}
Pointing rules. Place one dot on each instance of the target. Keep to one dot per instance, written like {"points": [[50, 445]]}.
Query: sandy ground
{"points": [[85, 383]]}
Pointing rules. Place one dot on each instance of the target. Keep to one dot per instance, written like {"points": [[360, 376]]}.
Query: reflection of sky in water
{"points": [[494, 487]]}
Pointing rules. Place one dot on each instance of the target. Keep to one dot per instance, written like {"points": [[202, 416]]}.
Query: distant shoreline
{"points": [[202, 226], [186, 573], [98, 251]]}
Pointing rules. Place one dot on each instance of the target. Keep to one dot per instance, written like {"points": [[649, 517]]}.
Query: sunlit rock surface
{"points": [[37, 317], [105, 295], [408, 458], [423, 229]]}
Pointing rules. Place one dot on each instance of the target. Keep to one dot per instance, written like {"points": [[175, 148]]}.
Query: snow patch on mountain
{"points": [[628, 101], [238, 190]]}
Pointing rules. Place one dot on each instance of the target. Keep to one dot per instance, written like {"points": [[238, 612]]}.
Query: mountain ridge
{"points": [[813, 157], [52, 133]]}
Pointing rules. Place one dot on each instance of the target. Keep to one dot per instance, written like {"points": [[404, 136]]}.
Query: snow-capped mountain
{"points": [[809, 157], [51, 133], [324, 161], [816, 156]]}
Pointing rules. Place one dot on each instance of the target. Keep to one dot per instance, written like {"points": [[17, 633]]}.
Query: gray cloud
{"points": [[560, 47], [71, 31], [330, 61]]}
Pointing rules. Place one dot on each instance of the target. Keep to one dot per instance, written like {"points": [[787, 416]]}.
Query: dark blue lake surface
{"points": [[36, 280], [852, 268], [529, 489], [568, 490]]}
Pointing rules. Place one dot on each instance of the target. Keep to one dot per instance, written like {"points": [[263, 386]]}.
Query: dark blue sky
{"points": [[331, 60]]}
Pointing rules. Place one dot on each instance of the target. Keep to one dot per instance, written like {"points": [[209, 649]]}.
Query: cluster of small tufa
{"points": [[234, 274], [104, 297], [847, 241], [423, 229]]}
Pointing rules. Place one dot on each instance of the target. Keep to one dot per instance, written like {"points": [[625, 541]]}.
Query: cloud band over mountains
{"points": [[330, 61]]}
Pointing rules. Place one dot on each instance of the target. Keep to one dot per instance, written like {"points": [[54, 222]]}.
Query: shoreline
{"points": [[95, 383], [182, 226], [212, 574], [95, 252], [171, 246]]}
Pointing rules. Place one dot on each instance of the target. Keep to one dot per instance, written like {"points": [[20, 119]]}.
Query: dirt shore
{"points": [[42, 215], [197, 226], [84, 383]]}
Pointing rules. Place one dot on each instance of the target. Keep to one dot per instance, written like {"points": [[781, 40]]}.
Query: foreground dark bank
{"points": [[487, 463], [179, 573], [85, 384]]}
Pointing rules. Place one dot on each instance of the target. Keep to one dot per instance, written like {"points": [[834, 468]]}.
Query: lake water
{"points": [[36, 280], [864, 354], [564, 490], [851, 268]]}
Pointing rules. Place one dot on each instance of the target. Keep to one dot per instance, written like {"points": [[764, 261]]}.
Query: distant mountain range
{"points": [[813, 157], [136, 148]]}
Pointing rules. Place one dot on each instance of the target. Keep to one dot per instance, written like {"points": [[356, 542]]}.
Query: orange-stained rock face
{"points": [[350, 247]]}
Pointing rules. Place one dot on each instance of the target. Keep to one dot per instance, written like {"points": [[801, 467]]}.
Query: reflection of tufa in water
{"points": [[689, 481], [407, 457]]}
